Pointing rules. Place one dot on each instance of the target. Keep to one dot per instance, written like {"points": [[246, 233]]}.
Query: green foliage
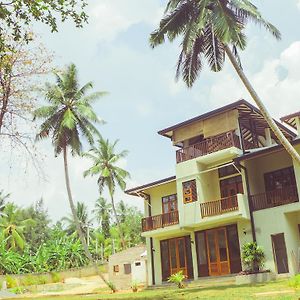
{"points": [[112, 286], [134, 286], [11, 282], [253, 256], [295, 281], [56, 277], [177, 278]]}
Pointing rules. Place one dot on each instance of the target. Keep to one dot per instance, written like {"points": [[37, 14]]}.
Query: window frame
{"points": [[189, 194], [127, 268], [169, 203]]}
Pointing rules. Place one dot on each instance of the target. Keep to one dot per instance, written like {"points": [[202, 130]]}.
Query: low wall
{"points": [[76, 272]]}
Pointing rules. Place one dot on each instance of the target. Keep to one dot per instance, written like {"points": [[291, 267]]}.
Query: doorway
{"points": [[217, 250], [279, 253]]}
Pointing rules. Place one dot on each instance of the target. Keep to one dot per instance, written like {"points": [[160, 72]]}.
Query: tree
{"points": [[13, 228], [82, 216], [102, 211], [209, 28], [68, 118], [17, 16], [3, 197], [21, 67], [105, 162]]}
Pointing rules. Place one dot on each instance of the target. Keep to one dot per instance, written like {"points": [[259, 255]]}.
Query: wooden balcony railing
{"points": [[210, 145], [219, 207], [274, 198], [160, 221]]}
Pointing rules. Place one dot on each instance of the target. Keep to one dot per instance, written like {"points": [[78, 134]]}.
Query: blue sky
{"points": [[113, 52]]}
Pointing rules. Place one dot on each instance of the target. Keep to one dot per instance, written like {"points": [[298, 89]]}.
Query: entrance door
{"points": [[177, 252], [217, 248], [231, 186], [279, 252]]}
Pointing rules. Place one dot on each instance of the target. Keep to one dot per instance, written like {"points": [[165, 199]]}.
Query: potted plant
{"points": [[177, 278]]}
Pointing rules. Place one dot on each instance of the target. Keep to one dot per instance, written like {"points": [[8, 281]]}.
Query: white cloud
{"points": [[111, 17], [298, 4]]}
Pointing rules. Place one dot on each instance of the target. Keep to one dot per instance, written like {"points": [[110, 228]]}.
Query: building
{"points": [[128, 266], [234, 184]]}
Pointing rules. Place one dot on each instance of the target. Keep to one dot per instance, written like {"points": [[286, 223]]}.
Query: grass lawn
{"points": [[224, 292]]}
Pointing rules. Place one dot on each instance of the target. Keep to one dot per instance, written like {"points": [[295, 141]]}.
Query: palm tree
{"points": [[13, 227], [68, 117], [102, 211], [82, 216], [209, 29], [105, 162]]}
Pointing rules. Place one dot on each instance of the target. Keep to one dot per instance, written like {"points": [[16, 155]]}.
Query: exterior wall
{"points": [[156, 195], [128, 256]]}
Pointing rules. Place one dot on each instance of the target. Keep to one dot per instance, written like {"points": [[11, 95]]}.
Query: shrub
{"points": [[253, 257], [295, 281], [11, 282], [177, 278], [112, 286], [134, 286], [56, 277]]}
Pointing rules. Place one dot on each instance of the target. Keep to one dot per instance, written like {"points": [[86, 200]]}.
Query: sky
{"points": [[113, 52]]}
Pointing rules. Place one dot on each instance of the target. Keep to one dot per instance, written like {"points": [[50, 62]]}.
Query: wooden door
{"points": [[280, 254], [218, 254], [177, 252]]}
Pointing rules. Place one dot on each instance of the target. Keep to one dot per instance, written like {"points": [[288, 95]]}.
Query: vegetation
{"points": [[295, 281], [253, 257], [177, 278], [211, 30]]}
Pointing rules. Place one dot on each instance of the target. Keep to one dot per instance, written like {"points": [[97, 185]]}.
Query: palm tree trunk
{"points": [[79, 230], [118, 222], [282, 139]]}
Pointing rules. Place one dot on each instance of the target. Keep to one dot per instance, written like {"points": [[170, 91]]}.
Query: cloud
{"points": [[112, 17], [298, 4]]}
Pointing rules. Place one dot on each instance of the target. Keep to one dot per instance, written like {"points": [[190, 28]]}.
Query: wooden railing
{"points": [[160, 221], [218, 207], [274, 198], [210, 145]]}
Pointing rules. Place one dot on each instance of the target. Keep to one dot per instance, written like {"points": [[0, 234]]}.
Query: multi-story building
{"points": [[234, 183]]}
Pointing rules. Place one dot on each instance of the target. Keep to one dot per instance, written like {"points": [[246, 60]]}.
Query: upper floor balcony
{"points": [[274, 198], [160, 221], [209, 145]]}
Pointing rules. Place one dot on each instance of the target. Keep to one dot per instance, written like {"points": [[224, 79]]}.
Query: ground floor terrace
{"points": [[216, 251]]}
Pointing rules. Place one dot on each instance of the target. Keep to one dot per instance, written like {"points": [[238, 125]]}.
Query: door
{"points": [[217, 249], [231, 186], [279, 253], [177, 252]]}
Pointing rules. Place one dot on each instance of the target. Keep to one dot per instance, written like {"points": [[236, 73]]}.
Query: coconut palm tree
{"points": [[105, 166], [13, 227], [102, 211], [212, 29], [68, 118]]}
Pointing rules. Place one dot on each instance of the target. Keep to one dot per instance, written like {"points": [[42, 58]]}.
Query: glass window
{"points": [[169, 203], [279, 179], [227, 170], [116, 268], [127, 268]]}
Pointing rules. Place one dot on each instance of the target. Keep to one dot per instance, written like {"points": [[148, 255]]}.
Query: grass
{"points": [[220, 292]]}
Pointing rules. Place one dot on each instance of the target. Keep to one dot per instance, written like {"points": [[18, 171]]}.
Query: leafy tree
{"points": [[17, 16], [13, 228], [67, 119], [102, 211], [209, 29], [105, 166]]}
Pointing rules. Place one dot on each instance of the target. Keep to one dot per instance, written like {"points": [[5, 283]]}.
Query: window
{"points": [[116, 268], [127, 268], [227, 170], [231, 186], [280, 179], [169, 203], [189, 191], [138, 264]]}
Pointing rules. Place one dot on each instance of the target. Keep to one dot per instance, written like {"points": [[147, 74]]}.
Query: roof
{"points": [[264, 151], [135, 191], [291, 119], [129, 254], [245, 109]]}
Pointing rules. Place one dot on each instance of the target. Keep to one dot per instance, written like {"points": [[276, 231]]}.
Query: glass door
{"points": [[178, 256]]}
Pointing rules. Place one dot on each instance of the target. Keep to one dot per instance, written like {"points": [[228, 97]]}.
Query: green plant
{"points": [[134, 286], [112, 286], [295, 281], [56, 277], [11, 282], [177, 278], [253, 257]]}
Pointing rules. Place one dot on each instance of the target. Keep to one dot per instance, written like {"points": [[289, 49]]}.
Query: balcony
{"points": [[219, 207], [160, 221], [274, 198], [210, 145]]}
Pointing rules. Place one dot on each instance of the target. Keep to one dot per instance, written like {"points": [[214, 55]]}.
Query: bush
{"points": [[177, 278], [295, 281], [112, 286], [11, 282], [253, 257], [134, 286], [56, 277]]}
